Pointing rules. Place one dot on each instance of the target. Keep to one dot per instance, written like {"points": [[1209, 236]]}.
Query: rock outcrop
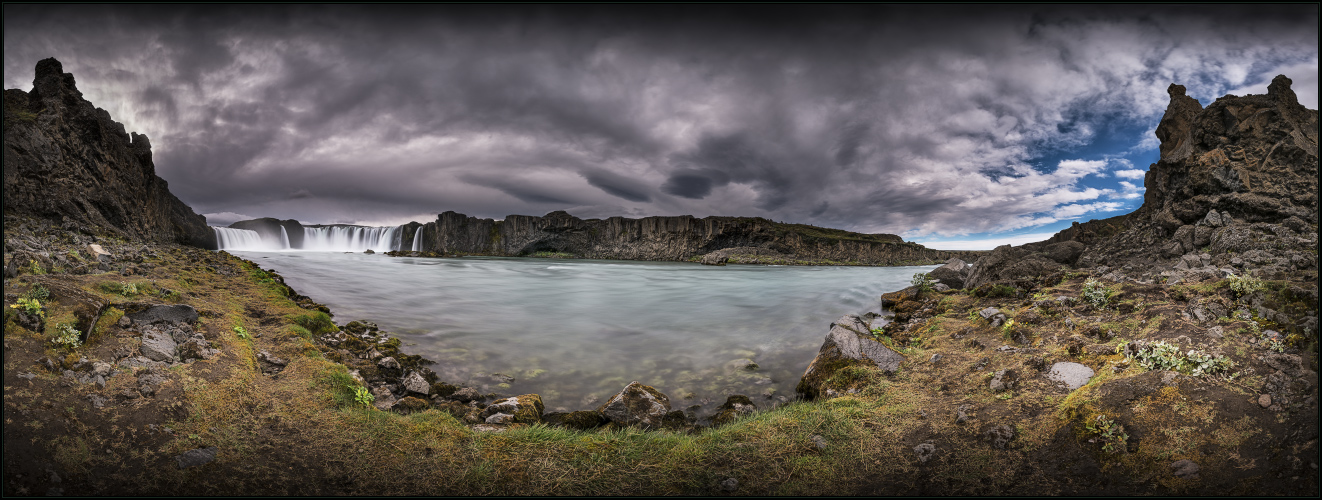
{"points": [[67, 160], [1235, 187], [667, 238], [849, 342]]}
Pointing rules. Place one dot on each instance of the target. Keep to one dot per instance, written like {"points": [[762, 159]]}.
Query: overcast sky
{"points": [[955, 126]]}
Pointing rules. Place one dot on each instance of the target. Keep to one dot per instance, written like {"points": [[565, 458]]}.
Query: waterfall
{"points": [[241, 239], [350, 238], [317, 239], [417, 239]]}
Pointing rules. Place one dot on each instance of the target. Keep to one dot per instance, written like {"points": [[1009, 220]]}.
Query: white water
{"points": [[577, 331], [350, 238], [417, 240], [243, 239], [316, 239]]}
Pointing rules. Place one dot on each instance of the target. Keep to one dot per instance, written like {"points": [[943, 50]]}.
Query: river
{"points": [[577, 331]]}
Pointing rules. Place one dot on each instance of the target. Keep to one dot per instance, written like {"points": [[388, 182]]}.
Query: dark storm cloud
{"points": [[877, 118], [617, 185]]}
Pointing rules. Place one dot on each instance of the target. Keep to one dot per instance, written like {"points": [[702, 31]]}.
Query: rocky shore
{"points": [[1119, 357]]}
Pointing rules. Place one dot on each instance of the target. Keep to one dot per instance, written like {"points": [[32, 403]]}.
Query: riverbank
{"points": [[971, 409]]}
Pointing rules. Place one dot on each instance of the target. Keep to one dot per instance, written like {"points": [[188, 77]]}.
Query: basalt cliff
{"points": [[711, 240], [68, 161], [1234, 191]]}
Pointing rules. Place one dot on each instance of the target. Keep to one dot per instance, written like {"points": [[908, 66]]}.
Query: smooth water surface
{"points": [[577, 331]]}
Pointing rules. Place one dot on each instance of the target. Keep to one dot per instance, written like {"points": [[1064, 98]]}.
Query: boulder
{"points": [[952, 273], [637, 404], [716, 258], [1070, 375], [735, 406], [181, 313], [415, 383], [849, 342], [159, 345], [525, 409], [96, 253]]}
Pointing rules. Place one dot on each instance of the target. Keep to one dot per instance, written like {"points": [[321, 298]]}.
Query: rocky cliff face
{"points": [[67, 160], [1235, 188], [663, 238]]}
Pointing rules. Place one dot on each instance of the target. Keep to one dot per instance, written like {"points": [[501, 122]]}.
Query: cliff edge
{"points": [[1235, 190], [68, 161]]}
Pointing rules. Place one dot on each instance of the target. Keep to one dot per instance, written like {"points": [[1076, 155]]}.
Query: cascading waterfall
{"points": [[316, 239], [241, 239], [417, 240], [351, 238]]}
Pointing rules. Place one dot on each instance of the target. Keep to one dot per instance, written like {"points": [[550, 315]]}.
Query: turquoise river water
{"points": [[577, 331]]}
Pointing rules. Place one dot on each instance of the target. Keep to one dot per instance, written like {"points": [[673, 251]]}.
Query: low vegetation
{"points": [[1162, 391]]}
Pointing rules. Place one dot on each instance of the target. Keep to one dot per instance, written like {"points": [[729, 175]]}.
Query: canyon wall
{"points": [[674, 238], [67, 160]]}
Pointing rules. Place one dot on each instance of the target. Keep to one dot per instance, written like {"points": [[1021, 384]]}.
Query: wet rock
{"points": [[849, 342], [716, 258], [924, 452], [525, 409], [999, 435], [466, 394], [743, 364], [735, 406], [181, 313], [1185, 469], [1070, 375], [197, 457], [637, 404]]}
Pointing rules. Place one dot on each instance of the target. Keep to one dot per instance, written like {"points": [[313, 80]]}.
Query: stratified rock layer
{"points": [[67, 160], [666, 238]]}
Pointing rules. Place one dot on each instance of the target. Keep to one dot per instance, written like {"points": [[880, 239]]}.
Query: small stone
{"points": [[1265, 400], [936, 357], [924, 452], [500, 418], [194, 458], [960, 415], [819, 441], [1185, 469], [1000, 435], [730, 484]]}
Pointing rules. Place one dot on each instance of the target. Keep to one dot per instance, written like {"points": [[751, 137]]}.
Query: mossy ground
{"points": [[302, 432]]}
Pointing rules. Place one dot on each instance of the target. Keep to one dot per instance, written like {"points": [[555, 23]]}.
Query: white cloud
{"points": [[985, 244], [1130, 174]]}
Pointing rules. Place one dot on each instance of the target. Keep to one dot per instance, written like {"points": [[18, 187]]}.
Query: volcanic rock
{"points": [[67, 160]]}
